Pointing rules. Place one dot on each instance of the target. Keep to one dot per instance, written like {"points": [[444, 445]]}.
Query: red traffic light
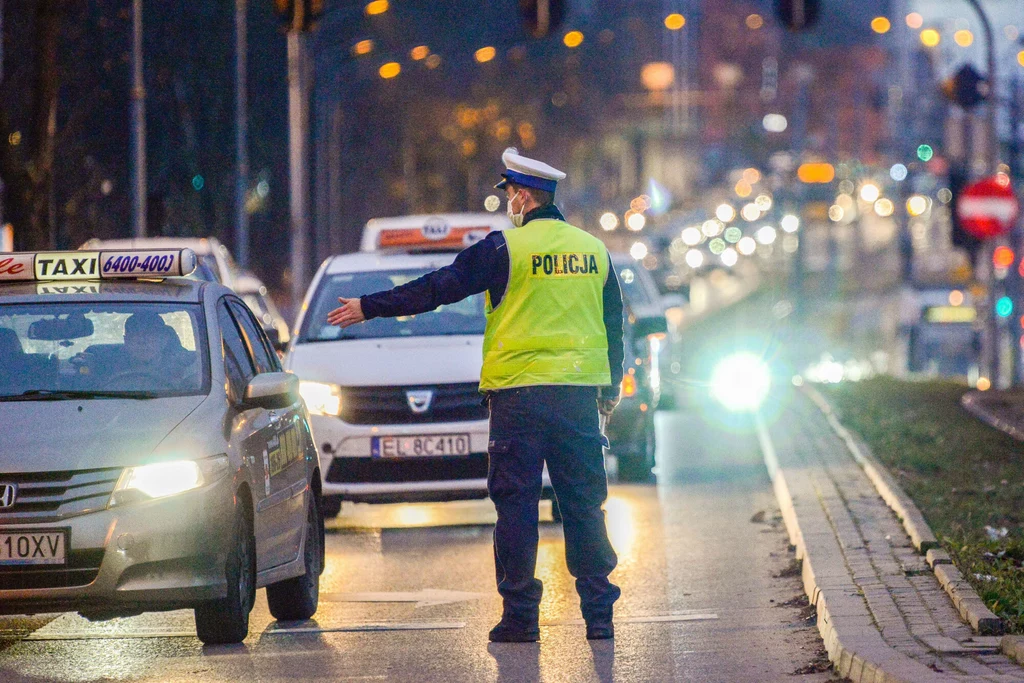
{"points": [[1003, 257]]}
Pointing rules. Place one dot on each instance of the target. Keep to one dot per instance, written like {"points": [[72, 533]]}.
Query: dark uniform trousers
{"points": [[557, 425]]}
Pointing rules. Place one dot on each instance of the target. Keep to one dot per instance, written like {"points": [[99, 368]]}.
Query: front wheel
{"points": [[297, 599], [330, 506], [636, 462], [225, 621]]}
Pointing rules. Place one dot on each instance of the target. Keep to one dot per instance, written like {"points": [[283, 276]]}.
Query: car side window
{"points": [[265, 357], [237, 364]]}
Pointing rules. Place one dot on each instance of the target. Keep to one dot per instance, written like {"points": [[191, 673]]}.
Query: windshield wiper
{"points": [[63, 395]]}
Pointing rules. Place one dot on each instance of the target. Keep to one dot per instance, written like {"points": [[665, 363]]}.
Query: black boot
{"points": [[600, 630], [515, 631]]}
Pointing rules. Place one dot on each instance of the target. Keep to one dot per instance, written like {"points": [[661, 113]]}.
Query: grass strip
{"points": [[966, 477]]}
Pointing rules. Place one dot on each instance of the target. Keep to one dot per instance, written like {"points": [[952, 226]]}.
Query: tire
{"points": [[297, 599], [226, 621], [635, 464], [330, 507]]}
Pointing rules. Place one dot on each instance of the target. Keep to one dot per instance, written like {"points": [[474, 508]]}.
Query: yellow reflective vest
{"points": [[549, 326]]}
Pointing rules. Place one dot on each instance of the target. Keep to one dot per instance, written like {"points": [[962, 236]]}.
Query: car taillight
{"points": [[628, 387]]}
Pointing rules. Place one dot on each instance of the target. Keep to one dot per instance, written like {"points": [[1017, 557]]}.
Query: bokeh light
{"points": [[691, 236], [636, 222], [884, 207], [869, 192], [609, 221], [766, 235], [390, 70], [790, 223], [963, 38], [915, 20], [377, 7], [674, 22], [729, 257], [638, 251], [573, 39], [484, 54], [746, 246], [694, 258], [880, 25], [725, 212], [930, 37]]}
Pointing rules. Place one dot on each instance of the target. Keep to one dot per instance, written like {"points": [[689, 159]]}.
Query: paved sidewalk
{"points": [[880, 597]]}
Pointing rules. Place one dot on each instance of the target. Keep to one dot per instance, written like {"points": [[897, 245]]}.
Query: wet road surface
{"points": [[408, 595]]}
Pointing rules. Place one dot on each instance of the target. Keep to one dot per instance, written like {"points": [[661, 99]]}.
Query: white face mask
{"points": [[516, 218]]}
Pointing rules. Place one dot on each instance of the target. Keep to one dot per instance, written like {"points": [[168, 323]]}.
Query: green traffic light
{"points": [[1004, 307], [925, 152]]}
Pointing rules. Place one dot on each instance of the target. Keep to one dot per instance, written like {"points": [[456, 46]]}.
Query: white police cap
{"points": [[528, 172]]}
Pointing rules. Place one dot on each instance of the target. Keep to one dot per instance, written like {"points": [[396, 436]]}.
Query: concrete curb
{"points": [[1013, 647], [852, 638], [971, 402], [971, 607]]}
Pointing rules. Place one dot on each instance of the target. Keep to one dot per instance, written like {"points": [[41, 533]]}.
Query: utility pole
{"points": [[241, 136], [990, 336], [298, 144], [138, 126]]}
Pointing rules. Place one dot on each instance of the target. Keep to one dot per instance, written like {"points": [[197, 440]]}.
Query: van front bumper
{"points": [[160, 554]]}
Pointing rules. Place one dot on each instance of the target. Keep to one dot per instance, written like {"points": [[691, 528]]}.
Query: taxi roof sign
{"points": [[52, 266], [437, 232]]}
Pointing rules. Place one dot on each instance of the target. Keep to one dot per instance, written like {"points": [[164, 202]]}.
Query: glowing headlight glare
{"points": [[694, 258], [162, 478], [320, 398], [741, 382]]}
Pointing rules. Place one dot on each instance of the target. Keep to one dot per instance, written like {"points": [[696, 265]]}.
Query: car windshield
{"points": [[75, 350], [463, 317], [633, 289]]}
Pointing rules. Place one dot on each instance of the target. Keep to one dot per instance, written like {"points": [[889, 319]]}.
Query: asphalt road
{"points": [[408, 595]]}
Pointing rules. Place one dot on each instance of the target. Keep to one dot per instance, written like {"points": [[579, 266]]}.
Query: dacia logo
{"points": [[8, 494], [419, 401]]}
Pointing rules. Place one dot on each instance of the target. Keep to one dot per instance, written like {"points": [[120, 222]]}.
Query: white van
{"points": [[394, 402]]}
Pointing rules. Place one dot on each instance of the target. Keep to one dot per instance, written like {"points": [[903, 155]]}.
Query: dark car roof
{"points": [[111, 290]]}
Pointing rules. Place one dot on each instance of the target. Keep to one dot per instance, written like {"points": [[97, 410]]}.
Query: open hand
{"points": [[349, 313]]}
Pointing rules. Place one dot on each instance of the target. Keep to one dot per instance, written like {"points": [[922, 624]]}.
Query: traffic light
{"points": [[309, 12], [958, 178], [1003, 257], [797, 15], [1004, 307], [542, 16], [966, 87]]}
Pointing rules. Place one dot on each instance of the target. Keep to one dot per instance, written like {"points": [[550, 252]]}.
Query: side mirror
{"points": [[645, 327], [272, 390]]}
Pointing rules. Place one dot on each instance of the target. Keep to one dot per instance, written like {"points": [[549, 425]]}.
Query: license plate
{"points": [[418, 446], [32, 547]]}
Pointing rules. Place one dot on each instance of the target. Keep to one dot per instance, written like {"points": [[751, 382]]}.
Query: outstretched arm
{"points": [[476, 268]]}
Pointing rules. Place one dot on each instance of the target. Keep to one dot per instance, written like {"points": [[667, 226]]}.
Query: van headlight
{"points": [[321, 398], [162, 479], [741, 382]]}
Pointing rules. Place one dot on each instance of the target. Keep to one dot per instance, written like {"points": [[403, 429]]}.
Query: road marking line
{"points": [[654, 618], [342, 628], [422, 598]]}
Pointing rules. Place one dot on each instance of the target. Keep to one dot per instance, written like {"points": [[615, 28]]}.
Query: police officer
{"points": [[552, 361]]}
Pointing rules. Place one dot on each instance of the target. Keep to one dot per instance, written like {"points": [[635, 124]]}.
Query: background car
{"points": [[215, 262], [630, 429], [254, 293]]}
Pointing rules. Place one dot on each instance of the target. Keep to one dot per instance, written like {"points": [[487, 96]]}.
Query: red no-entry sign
{"points": [[988, 208]]}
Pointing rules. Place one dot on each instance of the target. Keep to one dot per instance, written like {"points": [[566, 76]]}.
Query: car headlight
{"points": [[741, 382], [321, 398], [162, 479]]}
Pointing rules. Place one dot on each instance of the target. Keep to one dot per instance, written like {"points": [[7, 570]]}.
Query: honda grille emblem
{"points": [[419, 401], [8, 494]]}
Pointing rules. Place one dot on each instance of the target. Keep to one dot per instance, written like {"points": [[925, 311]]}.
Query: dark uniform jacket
{"points": [[484, 266]]}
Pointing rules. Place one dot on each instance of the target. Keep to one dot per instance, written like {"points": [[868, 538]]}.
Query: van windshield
{"points": [[463, 317]]}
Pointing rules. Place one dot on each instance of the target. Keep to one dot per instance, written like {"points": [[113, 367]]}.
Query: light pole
{"points": [[990, 336], [241, 136], [138, 96]]}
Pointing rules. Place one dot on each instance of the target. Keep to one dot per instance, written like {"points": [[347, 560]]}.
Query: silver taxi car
{"points": [[153, 455]]}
